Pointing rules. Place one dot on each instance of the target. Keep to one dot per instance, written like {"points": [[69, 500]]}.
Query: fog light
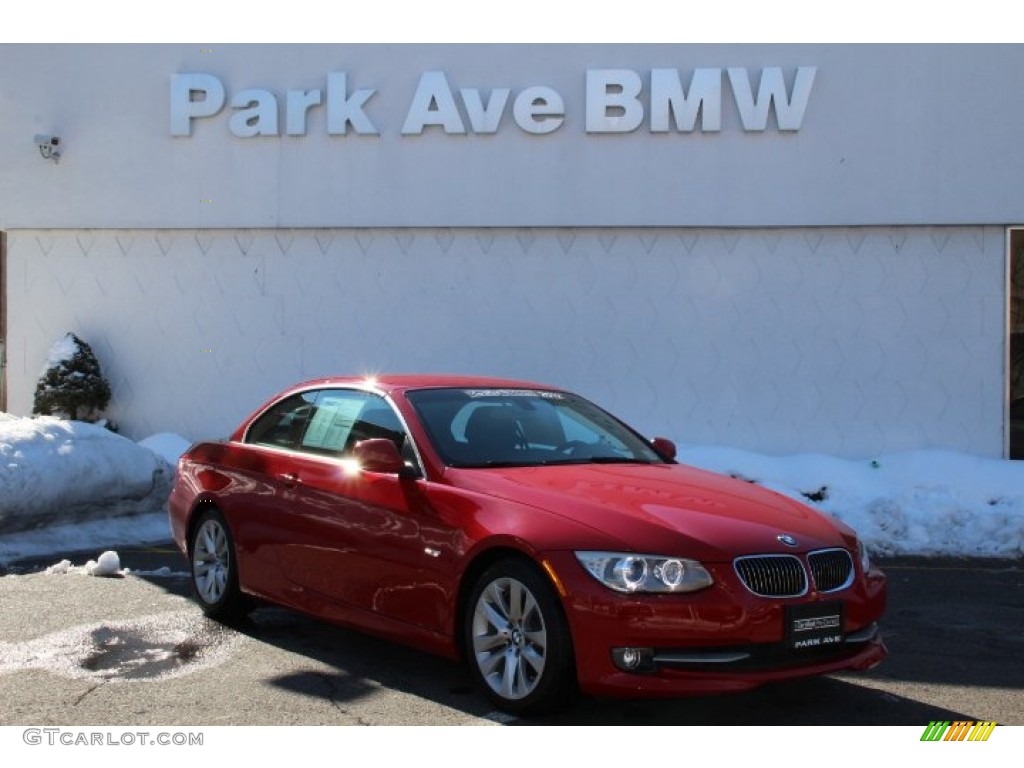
{"points": [[633, 659]]}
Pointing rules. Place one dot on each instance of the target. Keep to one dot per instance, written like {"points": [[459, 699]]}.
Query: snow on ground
{"points": [[920, 503], [54, 472], [108, 564], [94, 536]]}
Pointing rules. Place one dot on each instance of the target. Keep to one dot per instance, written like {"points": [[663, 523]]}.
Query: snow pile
{"points": [[96, 534], [920, 503], [109, 564], [54, 471]]}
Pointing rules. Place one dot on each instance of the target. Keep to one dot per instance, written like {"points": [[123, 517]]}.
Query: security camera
{"points": [[49, 147]]}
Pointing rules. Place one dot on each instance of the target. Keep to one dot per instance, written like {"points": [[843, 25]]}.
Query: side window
{"points": [[283, 425], [343, 418]]}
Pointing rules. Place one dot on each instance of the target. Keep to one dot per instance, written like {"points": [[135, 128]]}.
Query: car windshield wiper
{"points": [[495, 464], [618, 460], [594, 460], [503, 464]]}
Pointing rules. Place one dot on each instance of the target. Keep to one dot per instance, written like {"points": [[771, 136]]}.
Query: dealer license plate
{"points": [[814, 625]]}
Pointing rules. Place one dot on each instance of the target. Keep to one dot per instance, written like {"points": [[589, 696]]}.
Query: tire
{"points": [[214, 569], [517, 640]]}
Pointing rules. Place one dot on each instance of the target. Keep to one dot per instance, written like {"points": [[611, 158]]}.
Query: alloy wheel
{"points": [[211, 561], [510, 639]]}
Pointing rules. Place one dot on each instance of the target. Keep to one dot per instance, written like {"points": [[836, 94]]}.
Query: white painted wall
{"points": [[836, 286], [891, 135], [852, 341]]}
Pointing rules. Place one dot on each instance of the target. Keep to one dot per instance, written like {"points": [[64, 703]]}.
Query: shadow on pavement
{"points": [[365, 664]]}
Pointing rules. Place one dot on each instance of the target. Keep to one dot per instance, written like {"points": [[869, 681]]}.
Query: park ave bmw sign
{"points": [[617, 101]]}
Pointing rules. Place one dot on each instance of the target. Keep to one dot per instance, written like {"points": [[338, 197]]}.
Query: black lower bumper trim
{"points": [[749, 658]]}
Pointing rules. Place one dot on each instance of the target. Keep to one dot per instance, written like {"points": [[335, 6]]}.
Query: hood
{"points": [[667, 509]]}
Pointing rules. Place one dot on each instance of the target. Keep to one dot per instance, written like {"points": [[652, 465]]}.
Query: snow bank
{"points": [[96, 534], [921, 503], [54, 472]]}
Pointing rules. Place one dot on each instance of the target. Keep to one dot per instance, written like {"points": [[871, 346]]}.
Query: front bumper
{"points": [[717, 640]]}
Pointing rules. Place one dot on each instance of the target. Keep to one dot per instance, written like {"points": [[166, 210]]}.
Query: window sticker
{"points": [[332, 424]]}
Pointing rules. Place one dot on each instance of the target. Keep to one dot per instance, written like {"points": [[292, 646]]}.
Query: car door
{"points": [[364, 539], [257, 485]]}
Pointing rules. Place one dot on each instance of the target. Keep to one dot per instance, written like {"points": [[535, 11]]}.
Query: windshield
{"points": [[524, 427]]}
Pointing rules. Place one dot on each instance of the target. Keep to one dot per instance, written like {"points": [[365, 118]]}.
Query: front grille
{"points": [[831, 569], [772, 575]]}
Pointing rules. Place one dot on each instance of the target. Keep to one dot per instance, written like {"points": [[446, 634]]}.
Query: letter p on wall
{"points": [[194, 95]]}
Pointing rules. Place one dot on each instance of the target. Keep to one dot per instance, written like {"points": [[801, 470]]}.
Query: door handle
{"points": [[290, 479]]}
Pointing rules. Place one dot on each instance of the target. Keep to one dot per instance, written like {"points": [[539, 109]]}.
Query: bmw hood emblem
{"points": [[786, 539]]}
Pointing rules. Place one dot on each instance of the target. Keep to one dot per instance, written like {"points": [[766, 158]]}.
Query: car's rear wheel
{"points": [[215, 568], [517, 640]]}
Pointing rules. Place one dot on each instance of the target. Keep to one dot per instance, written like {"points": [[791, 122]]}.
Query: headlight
{"points": [[627, 572], [865, 559]]}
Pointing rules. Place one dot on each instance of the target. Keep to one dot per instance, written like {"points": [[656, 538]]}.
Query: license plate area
{"points": [[814, 625]]}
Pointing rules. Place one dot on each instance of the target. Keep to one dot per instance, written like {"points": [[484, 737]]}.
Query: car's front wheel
{"points": [[215, 568], [517, 640]]}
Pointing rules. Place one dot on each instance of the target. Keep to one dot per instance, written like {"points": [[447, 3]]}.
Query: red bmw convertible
{"points": [[527, 531]]}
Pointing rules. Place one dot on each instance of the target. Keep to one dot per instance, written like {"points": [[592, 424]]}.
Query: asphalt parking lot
{"points": [[76, 650]]}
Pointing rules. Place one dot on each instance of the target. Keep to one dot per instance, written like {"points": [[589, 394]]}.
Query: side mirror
{"points": [[378, 455], [665, 447]]}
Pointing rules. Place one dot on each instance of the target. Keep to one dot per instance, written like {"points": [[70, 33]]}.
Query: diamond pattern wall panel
{"points": [[854, 342]]}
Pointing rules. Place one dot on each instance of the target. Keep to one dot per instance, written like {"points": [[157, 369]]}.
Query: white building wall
{"points": [[851, 341], [891, 135]]}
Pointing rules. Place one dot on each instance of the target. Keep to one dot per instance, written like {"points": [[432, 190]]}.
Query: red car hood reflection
{"points": [[663, 508]]}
